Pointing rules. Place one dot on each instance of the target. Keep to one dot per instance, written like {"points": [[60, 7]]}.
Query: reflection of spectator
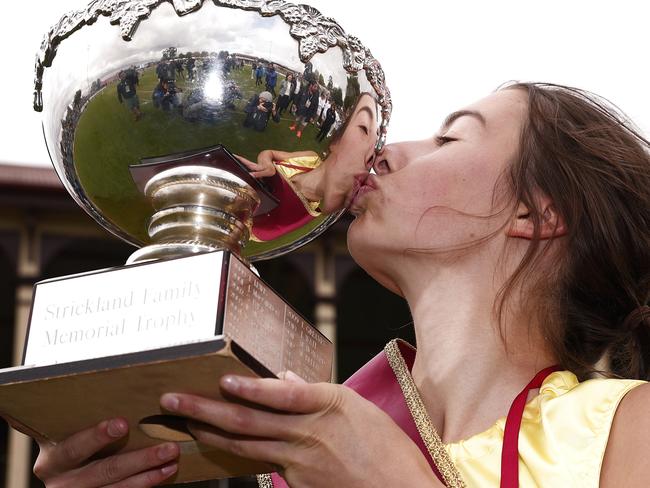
{"points": [[258, 111], [165, 71], [295, 94], [322, 109], [126, 93], [165, 96], [323, 113], [287, 89], [307, 105], [271, 79], [253, 69], [259, 74], [179, 69], [309, 68], [330, 117], [190, 69]]}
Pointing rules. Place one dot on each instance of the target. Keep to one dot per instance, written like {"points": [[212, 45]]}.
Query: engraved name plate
{"points": [[270, 330]]}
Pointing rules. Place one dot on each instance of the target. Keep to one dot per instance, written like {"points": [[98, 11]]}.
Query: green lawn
{"points": [[108, 140]]}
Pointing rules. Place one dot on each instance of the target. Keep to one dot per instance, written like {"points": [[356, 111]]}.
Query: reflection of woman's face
{"points": [[348, 162], [431, 194]]}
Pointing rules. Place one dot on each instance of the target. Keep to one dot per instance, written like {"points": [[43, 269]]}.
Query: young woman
{"points": [[287, 88], [519, 235]]}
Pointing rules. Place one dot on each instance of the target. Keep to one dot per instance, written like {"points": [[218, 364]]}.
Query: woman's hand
{"points": [[67, 464], [319, 435], [264, 166]]}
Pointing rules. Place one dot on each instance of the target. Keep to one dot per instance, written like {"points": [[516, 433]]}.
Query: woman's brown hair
{"points": [[584, 154]]}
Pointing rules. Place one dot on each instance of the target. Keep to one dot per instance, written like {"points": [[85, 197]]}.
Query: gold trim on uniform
{"points": [[265, 481], [428, 433]]}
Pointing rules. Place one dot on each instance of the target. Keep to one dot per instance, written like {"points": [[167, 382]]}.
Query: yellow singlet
{"points": [[562, 440]]}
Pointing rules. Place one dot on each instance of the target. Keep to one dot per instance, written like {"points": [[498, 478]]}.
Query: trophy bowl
{"points": [[155, 112]]}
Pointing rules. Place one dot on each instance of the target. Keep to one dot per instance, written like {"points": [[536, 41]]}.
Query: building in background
{"points": [[44, 234]]}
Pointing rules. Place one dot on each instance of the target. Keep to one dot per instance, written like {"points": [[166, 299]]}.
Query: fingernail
{"points": [[170, 402], [231, 383], [167, 452], [116, 428], [169, 469]]}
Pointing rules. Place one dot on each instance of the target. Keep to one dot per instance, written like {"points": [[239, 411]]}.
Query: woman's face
{"points": [[350, 157], [439, 193]]}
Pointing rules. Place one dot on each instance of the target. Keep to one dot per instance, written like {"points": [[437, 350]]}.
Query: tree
{"points": [[352, 91], [169, 53], [337, 96], [321, 80]]}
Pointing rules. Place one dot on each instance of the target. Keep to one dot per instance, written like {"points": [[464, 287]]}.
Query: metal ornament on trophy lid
{"points": [[209, 134]]}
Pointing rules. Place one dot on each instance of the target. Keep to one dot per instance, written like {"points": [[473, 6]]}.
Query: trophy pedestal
{"points": [[150, 339]]}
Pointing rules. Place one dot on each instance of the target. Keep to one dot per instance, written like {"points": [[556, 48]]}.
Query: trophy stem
{"points": [[198, 209]]}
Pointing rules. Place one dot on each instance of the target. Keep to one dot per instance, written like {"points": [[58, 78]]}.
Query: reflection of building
{"points": [[280, 68], [44, 234]]}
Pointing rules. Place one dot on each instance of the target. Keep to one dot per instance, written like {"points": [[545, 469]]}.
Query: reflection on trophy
{"points": [[209, 136]]}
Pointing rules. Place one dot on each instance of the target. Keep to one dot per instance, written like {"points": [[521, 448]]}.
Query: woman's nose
{"points": [[383, 163]]}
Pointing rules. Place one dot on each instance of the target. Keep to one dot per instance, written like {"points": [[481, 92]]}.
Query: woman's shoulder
{"points": [[563, 435], [575, 421], [624, 462], [564, 405]]}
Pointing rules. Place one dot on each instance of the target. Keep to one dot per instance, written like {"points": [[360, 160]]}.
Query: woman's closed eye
{"points": [[442, 140], [364, 129]]}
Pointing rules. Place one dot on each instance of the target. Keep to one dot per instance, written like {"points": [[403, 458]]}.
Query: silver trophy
{"points": [[209, 135], [182, 77]]}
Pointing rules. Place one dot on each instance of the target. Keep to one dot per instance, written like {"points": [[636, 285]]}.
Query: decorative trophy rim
{"points": [[315, 33]]}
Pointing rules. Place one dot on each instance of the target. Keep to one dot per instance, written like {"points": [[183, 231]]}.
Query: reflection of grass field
{"points": [[108, 140]]}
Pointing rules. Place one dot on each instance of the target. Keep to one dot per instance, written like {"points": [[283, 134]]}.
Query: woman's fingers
{"points": [[262, 174], [264, 170], [265, 164], [288, 396], [267, 450], [230, 417], [147, 479], [258, 170], [120, 468], [77, 448], [246, 162]]}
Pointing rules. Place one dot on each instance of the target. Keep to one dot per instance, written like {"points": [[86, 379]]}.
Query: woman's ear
{"points": [[551, 223]]}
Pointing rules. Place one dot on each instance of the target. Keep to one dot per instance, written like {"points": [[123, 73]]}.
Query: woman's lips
{"points": [[368, 186]]}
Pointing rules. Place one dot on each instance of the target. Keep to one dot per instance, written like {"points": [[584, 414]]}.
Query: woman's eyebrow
{"points": [[461, 113], [366, 109]]}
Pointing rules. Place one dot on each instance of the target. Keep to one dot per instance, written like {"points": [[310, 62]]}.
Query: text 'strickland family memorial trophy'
{"points": [[157, 116]]}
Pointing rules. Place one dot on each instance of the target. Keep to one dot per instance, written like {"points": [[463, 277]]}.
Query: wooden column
{"points": [[325, 289], [19, 452]]}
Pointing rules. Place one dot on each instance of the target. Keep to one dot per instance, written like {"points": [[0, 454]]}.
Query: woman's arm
{"points": [[625, 462], [318, 435], [265, 167]]}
